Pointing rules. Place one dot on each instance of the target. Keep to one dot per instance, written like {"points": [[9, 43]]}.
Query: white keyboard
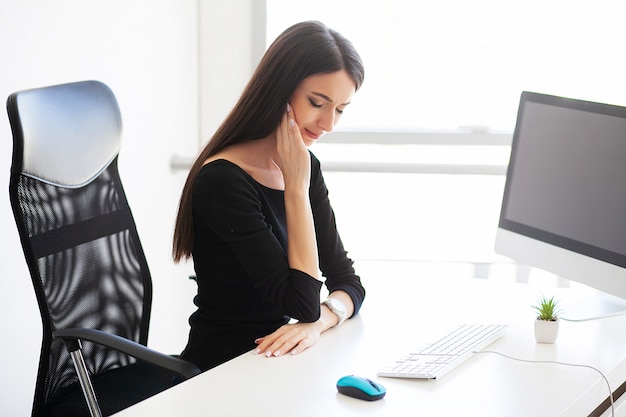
{"points": [[436, 359]]}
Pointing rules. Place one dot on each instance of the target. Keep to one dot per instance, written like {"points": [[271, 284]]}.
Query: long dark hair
{"points": [[302, 50]]}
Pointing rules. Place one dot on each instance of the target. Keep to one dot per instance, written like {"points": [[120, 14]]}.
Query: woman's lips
{"points": [[312, 135]]}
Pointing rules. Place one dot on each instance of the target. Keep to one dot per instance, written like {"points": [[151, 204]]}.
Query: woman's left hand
{"points": [[291, 338], [295, 337]]}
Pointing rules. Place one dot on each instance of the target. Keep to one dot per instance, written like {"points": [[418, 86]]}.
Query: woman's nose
{"points": [[327, 121]]}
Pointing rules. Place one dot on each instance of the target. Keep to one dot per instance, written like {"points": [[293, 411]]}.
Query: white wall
{"points": [[147, 52]]}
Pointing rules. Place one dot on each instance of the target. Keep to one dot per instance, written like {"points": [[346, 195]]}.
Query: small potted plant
{"points": [[547, 323]]}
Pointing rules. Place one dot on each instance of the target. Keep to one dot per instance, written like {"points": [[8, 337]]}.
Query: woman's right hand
{"points": [[295, 163], [293, 157]]}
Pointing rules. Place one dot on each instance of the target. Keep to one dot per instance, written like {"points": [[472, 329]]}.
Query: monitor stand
{"points": [[594, 305]]}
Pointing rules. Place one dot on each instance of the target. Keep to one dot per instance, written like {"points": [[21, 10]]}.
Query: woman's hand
{"points": [[293, 158], [295, 337], [291, 338], [294, 161]]}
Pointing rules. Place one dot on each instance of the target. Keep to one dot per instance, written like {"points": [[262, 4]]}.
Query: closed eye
{"points": [[315, 104], [319, 106]]}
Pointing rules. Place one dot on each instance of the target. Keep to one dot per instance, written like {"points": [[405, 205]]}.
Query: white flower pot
{"points": [[546, 331]]}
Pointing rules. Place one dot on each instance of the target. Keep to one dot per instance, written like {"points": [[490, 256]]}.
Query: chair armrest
{"points": [[72, 336]]}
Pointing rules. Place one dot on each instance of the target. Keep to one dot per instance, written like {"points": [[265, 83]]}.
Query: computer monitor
{"points": [[564, 202]]}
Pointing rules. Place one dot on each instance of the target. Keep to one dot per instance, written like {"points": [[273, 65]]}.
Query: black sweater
{"points": [[246, 289]]}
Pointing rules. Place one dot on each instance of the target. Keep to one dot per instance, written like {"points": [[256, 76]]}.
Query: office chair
{"points": [[83, 252]]}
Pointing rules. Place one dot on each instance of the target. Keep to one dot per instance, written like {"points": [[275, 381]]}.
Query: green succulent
{"points": [[548, 308]]}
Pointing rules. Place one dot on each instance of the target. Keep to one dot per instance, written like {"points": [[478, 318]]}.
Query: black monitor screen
{"points": [[566, 182]]}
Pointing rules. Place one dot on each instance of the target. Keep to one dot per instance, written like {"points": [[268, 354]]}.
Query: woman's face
{"points": [[319, 101]]}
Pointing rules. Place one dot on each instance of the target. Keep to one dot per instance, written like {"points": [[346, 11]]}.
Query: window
{"points": [[447, 64], [442, 86]]}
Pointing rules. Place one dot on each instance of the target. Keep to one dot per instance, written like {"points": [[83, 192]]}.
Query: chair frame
{"points": [[72, 337]]}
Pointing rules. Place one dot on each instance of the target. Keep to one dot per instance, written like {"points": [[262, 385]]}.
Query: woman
{"points": [[254, 213]]}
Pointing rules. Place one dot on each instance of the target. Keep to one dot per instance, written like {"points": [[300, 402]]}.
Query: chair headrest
{"points": [[70, 132]]}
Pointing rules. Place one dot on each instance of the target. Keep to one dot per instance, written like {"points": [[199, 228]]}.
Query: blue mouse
{"points": [[361, 388]]}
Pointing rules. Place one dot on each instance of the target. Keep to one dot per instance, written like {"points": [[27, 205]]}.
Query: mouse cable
{"points": [[606, 380]]}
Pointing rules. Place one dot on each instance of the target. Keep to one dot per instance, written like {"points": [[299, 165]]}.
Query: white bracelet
{"points": [[338, 308]]}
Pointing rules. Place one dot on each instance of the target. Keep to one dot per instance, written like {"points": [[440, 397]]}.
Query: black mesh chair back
{"points": [[80, 243]]}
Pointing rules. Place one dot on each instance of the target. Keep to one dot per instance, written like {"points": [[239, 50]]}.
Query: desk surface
{"points": [[404, 307]]}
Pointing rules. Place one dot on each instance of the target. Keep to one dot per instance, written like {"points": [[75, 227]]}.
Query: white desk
{"points": [[403, 308]]}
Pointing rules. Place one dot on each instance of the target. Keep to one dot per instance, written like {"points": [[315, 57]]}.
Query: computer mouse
{"points": [[361, 388]]}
